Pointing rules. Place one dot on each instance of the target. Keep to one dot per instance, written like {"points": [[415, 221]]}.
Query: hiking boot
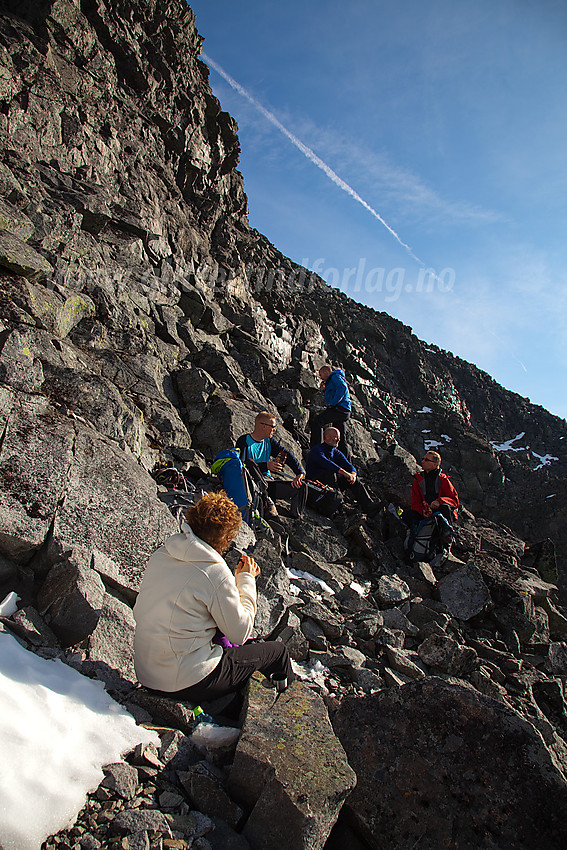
{"points": [[270, 508]]}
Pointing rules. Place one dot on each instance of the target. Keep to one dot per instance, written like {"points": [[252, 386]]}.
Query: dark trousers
{"points": [[283, 490], [235, 668], [359, 492], [335, 416]]}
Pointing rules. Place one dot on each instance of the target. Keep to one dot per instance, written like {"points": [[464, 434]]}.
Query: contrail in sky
{"points": [[311, 155]]}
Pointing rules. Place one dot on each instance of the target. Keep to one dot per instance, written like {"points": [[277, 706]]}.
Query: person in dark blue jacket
{"points": [[337, 412], [327, 464]]}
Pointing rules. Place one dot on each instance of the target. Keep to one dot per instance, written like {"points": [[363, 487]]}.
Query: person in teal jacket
{"points": [[337, 412]]}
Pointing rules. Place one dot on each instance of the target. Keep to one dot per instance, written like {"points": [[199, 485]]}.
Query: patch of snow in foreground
{"points": [[308, 577], [551, 496], [446, 437], [431, 444], [507, 446], [424, 410], [314, 673], [545, 460], [57, 730]]}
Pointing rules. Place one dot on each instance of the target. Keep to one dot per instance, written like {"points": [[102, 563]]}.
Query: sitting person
{"points": [[325, 463], [261, 447], [188, 593], [431, 491], [337, 412]]}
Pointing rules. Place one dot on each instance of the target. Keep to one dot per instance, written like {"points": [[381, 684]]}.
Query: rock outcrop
{"points": [[143, 320]]}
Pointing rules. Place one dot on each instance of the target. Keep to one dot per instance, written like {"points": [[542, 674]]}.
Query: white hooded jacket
{"points": [[186, 592]]}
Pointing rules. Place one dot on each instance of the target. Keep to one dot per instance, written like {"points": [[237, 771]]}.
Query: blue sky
{"points": [[448, 119]]}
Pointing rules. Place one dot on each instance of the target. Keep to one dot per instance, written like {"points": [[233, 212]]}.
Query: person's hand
{"points": [[298, 480], [435, 504], [427, 511], [274, 466], [247, 565], [350, 476]]}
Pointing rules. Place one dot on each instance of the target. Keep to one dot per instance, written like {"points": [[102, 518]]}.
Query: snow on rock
{"points": [[544, 460], [57, 730], [507, 446], [9, 605], [301, 574], [431, 444], [424, 410]]}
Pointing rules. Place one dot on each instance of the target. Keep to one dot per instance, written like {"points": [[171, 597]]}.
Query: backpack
{"points": [[180, 493], [243, 484], [430, 540]]}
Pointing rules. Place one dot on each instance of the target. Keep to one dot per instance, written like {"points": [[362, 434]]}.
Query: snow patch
{"points": [[314, 673], [545, 460], [507, 446], [431, 444], [308, 577], [424, 410], [57, 730]]}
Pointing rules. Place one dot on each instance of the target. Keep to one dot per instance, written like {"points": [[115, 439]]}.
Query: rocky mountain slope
{"points": [[142, 319]]}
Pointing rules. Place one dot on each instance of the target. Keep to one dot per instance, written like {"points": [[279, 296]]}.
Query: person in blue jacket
{"points": [[337, 412], [327, 464]]}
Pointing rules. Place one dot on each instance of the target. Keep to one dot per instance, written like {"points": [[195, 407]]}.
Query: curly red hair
{"points": [[215, 519]]}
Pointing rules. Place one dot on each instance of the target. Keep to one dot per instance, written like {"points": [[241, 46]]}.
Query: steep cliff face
{"points": [[119, 170], [142, 319]]}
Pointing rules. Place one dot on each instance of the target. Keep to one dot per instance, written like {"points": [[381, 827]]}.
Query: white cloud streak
{"points": [[306, 151]]}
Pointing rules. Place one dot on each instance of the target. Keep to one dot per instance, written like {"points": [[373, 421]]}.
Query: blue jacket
{"points": [[327, 458], [336, 390]]}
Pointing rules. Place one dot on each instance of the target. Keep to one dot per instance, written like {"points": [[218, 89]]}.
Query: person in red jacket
{"points": [[432, 491]]}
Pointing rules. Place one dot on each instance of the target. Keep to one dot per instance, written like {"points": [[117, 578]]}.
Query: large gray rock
{"points": [[464, 592], [112, 641], [318, 538], [440, 765], [445, 655], [35, 456], [19, 257], [71, 599], [289, 770], [272, 585], [110, 505]]}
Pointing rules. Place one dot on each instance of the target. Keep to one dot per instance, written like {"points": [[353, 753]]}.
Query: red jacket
{"points": [[447, 494]]}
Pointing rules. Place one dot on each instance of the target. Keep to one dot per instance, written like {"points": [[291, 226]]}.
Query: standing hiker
{"points": [[270, 457], [337, 412]]}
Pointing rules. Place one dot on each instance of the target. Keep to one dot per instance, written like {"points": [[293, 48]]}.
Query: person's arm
{"points": [[318, 459], [447, 494], [345, 466], [290, 460], [234, 603]]}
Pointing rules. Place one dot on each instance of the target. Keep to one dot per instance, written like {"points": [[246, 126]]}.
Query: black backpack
{"points": [[430, 540]]}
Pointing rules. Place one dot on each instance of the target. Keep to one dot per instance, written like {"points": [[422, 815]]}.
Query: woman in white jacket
{"points": [[188, 593]]}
